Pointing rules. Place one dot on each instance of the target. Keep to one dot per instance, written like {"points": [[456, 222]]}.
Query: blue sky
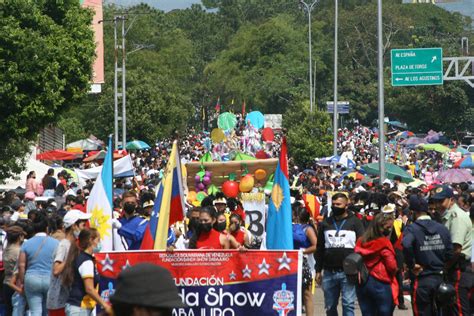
{"points": [[165, 5]]}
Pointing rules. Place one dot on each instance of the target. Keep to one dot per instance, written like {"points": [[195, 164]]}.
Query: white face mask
{"points": [[76, 233]]}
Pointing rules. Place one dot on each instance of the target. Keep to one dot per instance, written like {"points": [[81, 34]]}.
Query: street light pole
{"points": [[116, 130], [334, 122], [309, 8], [381, 92]]}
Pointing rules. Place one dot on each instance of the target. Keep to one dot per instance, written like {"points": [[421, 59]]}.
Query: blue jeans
{"points": [[36, 291], [375, 298], [19, 305], [72, 310], [333, 284]]}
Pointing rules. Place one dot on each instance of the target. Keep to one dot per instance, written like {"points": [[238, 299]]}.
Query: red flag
{"points": [[243, 109], [312, 205], [218, 105], [284, 158]]}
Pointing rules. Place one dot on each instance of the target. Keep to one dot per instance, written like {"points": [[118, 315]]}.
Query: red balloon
{"points": [[230, 188], [268, 135]]}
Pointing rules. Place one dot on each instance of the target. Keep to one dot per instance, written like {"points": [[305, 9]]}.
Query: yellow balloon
{"points": [[217, 135], [191, 197]]}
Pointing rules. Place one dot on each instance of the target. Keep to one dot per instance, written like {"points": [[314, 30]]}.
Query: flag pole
{"points": [[112, 175]]}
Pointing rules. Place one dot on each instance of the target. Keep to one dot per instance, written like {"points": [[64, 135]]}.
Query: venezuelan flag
{"points": [[279, 227], [169, 205]]}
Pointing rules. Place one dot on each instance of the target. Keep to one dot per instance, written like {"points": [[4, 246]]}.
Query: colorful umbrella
{"points": [[405, 134], [465, 162], [137, 145], [413, 141], [435, 147], [356, 175], [461, 150], [455, 176], [58, 154], [226, 121], [416, 183], [390, 169], [255, 118]]}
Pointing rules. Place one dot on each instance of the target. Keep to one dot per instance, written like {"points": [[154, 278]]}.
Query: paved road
{"points": [[319, 306]]}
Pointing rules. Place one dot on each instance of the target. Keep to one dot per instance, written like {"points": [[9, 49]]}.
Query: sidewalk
{"points": [[319, 306]]}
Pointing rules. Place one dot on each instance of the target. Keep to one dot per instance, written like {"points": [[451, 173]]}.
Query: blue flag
{"points": [[279, 226]]}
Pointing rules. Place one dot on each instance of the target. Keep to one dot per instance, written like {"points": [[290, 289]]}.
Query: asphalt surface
{"points": [[319, 306]]}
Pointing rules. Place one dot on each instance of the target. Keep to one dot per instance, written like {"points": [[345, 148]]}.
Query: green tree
{"points": [[46, 52], [308, 134]]}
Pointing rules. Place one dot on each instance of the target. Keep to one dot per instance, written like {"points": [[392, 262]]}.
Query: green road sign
{"points": [[417, 67]]}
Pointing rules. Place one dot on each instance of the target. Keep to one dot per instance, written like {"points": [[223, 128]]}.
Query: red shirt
{"points": [[379, 258], [239, 236], [210, 240]]}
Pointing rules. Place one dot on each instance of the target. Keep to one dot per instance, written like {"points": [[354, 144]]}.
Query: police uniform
{"points": [[459, 225], [428, 244]]}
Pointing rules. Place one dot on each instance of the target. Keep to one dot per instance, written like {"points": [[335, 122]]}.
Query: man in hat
{"points": [[459, 225], [426, 247], [145, 290], [147, 209]]}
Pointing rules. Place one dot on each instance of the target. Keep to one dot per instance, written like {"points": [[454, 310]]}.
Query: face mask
{"points": [[193, 223], [205, 227], [76, 233], [129, 208], [338, 211], [220, 227], [97, 248], [234, 227]]}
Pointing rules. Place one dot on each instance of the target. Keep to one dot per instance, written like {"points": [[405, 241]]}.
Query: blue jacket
{"points": [[133, 230], [427, 243]]}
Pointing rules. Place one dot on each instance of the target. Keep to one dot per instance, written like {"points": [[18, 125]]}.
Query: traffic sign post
{"points": [[417, 67]]}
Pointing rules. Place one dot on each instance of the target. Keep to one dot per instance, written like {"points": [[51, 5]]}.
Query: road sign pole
{"points": [[335, 80], [381, 93]]}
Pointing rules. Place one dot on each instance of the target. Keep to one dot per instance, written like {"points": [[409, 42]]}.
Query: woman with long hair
{"points": [[15, 237], [31, 184], [304, 237], [35, 264], [206, 237], [379, 258], [80, 275]]}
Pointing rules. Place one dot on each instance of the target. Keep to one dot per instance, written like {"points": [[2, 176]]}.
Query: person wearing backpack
{"points": [[427, 248], [304, 237], [337, 236], [378, 295]]}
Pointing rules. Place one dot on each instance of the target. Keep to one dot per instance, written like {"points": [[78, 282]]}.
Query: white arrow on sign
{"points": [[433, 59], [398, 79]]}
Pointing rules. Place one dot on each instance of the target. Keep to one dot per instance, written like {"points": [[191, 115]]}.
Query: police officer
{"points": [[459, 225], [130, 226], [426, 247]]}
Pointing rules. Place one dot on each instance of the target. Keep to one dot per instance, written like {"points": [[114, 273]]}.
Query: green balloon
{"points": [[201, 196]]}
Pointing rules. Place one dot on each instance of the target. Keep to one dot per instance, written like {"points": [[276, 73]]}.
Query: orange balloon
{"points": [[260, 174], [246, 183]]}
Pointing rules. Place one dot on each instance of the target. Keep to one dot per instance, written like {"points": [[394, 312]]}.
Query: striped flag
{"points": [[312, 205], [169, 205], [218, 104], [100, 204]]}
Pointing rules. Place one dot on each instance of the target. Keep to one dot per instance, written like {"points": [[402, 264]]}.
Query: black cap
{"points": [[149, 285], [418, 204]]}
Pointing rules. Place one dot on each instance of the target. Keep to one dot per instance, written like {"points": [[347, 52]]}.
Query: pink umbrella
{"points": [[455, 176]]}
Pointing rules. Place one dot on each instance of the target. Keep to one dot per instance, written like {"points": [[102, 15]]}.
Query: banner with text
{"points": [[239, 283]]}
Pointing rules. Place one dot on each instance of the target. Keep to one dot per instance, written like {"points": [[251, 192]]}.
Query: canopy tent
{"points": [[100, 155], [221, 170], [85, 144], [137, 145], [123, 167], [390, 169], [58, 154]]}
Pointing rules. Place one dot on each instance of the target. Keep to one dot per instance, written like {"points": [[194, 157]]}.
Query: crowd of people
{"points": [[415, 237]]}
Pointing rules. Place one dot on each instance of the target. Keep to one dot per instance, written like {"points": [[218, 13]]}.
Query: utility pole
{"points": [[334, 122], [115, 85], [309, 8], [124, 99], [119, 93], [381, 92]]}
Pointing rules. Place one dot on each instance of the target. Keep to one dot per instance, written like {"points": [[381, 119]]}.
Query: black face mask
{"points": [[234, 227], [387, 232], [205, 227], [193, 223], [129, 208], [220, 227], [338, 211]]}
